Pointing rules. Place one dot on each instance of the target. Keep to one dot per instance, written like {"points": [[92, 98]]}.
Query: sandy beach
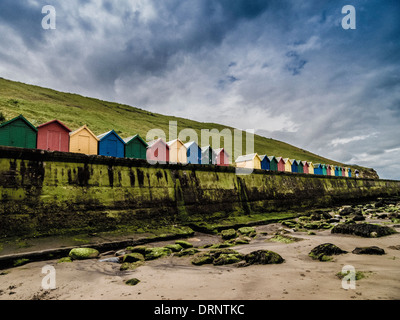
{"points": [[176, 278]]}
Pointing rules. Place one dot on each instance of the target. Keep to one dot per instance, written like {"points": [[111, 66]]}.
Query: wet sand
{"points": [[298, 278]]}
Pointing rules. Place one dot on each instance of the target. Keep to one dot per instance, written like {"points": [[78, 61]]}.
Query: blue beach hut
{"points": [[295, 165], [318, 168], [111, 145], [349, 172], [265, 163], [338, 171], [193, 152]]}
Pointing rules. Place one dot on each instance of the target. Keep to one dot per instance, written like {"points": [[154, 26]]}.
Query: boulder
{"points": [[228, 234], [202, 258], [133, 257], [140, 249], [228, 258], [247, 231], [186, 252], [157, 252], [323, 252], [369, 250], [363, 229], [346, 210], [132, 282], [184, 244], [263, 257], [83, 253], [174, 247]]}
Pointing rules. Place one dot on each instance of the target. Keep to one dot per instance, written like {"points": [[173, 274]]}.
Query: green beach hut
{"points": [[135, 147], [18, 132]]}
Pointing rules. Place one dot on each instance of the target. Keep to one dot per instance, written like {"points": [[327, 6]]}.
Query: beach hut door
{"points": [[53, 140], [83, 144], [18, 135], [112, 148]]}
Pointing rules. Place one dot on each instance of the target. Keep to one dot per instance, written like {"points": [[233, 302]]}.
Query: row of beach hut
{"points": [[272, 163], [56, 136]]}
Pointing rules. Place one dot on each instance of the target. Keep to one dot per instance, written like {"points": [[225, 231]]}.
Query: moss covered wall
{"points": [[45, 193]]}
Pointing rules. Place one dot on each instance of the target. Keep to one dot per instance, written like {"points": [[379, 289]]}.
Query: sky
{"points": [[285, 68]]}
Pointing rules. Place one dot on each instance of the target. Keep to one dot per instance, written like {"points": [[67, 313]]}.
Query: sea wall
{"points": [[47, 193]]}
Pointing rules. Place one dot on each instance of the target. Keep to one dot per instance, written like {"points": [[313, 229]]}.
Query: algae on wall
{"points": [[45, 192]]}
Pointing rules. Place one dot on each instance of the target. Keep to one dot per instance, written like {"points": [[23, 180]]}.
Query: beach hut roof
{"points": [[219, 150], [190, 143], [170, 143], [305, 163], [278, 159], [21, 117], [151, 143], [55, 121], [106, 134], [247, 157], [271, 158], [84, 127], [287, 160], [262, 157], [136, 136]]}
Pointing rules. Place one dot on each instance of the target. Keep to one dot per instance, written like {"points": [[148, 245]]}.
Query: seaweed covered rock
{"points": [[140, 249], [132, 282], [184, 244], [228, 234], [157, 252], [186, 252], [228, 258], [247, 231], [202, 258], [217, 257], [83, 253], [174, 247], [369, 250], [133, 257], [364, 230], [263, 257], [225, 256], [323, 252]]}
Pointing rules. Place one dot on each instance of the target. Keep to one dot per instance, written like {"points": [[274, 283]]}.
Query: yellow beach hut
{"points": [[83, 140], [288, 165], [177, 151], [310, 168], [251, 161], [346, 172]]}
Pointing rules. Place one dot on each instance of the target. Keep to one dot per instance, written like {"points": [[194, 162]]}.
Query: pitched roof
{"points": [[84, 127], [190, 143], [106, 134], [219, 150], [153, 142], [136, 136], [20, 117], [247, 157], [170, 143], [55, 121]]}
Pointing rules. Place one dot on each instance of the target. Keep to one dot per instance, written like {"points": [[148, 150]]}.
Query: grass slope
{"points": [[40, 105]]}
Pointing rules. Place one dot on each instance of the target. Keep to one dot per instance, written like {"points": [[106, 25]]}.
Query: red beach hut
{"points": [[53, 136], [281, 164], [157, 151], [306, 167], [222, 157]]}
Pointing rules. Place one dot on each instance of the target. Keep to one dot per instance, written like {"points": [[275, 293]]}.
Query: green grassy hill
{"points": [[40, 105]]}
